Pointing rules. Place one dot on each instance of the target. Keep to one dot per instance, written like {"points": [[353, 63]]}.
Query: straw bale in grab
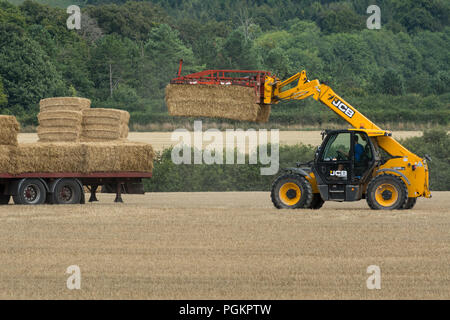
{"points": [[215, 101]]}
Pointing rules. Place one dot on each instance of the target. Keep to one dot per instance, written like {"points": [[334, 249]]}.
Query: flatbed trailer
{"points": [[66, 187]]}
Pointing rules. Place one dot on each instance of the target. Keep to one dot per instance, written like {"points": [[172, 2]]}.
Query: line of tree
{"points": [[127, 51]]}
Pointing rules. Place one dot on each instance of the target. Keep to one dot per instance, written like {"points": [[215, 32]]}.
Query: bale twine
{"points": [[64, 103], [215, 101], [9, 128]]}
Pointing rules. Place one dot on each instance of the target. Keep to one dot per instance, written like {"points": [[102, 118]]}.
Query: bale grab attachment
{"points": [[231, 94]]}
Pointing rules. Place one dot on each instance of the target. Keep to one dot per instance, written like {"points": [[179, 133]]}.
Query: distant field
{"points": [[161, 140], [231, 245]]}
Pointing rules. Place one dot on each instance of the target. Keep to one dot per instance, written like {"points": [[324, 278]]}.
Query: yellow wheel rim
{"points": [[290, 193], [386, 194]]}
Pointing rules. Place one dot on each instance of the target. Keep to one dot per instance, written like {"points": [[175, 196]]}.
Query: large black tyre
{"points": [[410, 203], [30, 191], [4, 198], [67, 191], [386, 192], [317, 201], [291, 191]]}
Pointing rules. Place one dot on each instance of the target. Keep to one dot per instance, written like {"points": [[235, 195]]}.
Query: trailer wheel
{"points": [[30, 191], [66, 191], [4, 198]]}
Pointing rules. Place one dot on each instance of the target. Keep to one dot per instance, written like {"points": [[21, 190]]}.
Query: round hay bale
{"points": [[58, 134], [71, 102], [61, 118]]}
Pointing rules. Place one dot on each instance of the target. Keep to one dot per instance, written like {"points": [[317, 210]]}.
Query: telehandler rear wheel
{"points": [[291, 191], [386, 192]]}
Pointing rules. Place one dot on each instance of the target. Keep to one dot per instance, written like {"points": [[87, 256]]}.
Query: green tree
{"points": [[3, 95]]}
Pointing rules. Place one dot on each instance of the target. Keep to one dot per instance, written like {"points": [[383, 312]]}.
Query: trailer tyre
{"points": [[67, 191], [30, 191]]}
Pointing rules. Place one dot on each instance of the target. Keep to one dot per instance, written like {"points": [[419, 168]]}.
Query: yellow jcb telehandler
{"points": [[365, 162]]}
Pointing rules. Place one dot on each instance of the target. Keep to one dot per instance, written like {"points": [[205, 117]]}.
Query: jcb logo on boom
{"points": [[342, 107], [339, 173]]}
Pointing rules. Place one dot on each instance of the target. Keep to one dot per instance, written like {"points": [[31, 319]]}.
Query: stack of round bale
{"points": [[104, 125], [60, 119]]}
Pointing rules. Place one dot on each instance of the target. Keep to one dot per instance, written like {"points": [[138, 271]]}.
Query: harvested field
{"points": [[215, 101], [224, 246], [161, 140]]}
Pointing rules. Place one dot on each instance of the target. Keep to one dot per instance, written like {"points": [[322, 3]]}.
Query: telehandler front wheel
{"points": [[291, 191], [386, 192]]}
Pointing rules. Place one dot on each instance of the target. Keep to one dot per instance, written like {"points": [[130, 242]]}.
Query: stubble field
{"points": [[232, 245]]}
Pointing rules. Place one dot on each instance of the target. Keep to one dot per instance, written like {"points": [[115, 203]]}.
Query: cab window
{"points": [[337, 148]]}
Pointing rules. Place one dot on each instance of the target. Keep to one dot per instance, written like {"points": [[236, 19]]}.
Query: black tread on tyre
{"points": [[67, 191], [410, 203], [386, 192], [291, 191], [317, 201], [31, 191]]}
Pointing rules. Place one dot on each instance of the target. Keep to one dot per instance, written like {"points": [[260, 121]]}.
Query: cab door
{"points": [[335, 159]]}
